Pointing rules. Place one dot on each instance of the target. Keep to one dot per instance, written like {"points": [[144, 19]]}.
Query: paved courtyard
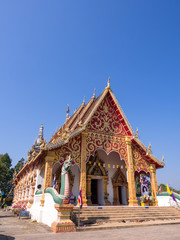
{"points": [[11, 227]]}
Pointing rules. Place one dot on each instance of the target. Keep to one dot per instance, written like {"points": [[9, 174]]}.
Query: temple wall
{"points": [[40, 178]]}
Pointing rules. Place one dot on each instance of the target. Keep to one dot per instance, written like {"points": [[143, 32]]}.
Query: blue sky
{"points": [[53, 53]]}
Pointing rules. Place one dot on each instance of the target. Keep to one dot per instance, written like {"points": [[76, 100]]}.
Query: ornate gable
{"points": [[105, 120], [140, 163]]}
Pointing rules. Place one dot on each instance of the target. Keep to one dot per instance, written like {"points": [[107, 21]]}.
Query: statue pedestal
{"points": [[63, 222]]}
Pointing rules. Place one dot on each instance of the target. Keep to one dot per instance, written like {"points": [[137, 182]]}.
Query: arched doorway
{"points": [[97, 180], [120, 188]]}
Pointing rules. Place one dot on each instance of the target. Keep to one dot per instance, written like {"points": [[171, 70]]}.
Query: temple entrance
{"points": [[96, 180], [120, 194], [94, 191], [120, 188]]}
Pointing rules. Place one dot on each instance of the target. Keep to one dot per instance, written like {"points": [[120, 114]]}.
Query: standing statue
{"points": [[65, 186]]}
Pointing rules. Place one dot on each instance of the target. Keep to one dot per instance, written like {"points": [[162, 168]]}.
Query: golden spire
{"points": [[162, 159], [84, 100], [108, 83], [94, 93], [67, 115]]}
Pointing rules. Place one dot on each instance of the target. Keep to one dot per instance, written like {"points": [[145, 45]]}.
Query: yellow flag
{"points": [[168, 190], [108, 165]]}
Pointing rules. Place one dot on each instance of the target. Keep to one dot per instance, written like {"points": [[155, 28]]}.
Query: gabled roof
{"points": [[79, 120]]}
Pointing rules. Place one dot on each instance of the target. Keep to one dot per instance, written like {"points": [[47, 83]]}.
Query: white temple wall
{"points": [[76, 172], [40, 178]]}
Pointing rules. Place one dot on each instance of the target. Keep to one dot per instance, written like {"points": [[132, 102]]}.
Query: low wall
{"points": [[165, 199], [46, 214]]}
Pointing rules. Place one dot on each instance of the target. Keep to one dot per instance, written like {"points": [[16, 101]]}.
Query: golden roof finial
{"points": [[162, 159], [149, 149], [84, 100], [67, 115], [108, 83], [136, 134], [94, 93]]}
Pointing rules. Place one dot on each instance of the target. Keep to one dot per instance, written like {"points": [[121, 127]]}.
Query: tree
{"points": [[19, 165], [6, 173]]}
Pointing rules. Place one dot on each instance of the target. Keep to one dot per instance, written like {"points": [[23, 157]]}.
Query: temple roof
{"points": [[79, 120], [77, 123]]}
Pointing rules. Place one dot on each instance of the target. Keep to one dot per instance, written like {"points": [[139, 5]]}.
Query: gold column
{"points": [[154, 186], [83, 167], [49, 160], [130, 172]]}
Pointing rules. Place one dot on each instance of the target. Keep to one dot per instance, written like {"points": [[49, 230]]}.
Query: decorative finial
{"points": [[162, 159], [149, 149], [94, 93], [41, 131], [67, 108], [136, 134], [108, 83], [84, 100], [67, 115], [75, 110]]}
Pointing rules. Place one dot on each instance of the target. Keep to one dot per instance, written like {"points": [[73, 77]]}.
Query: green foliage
{"points": [[6, 173], [19, 165], [164, 188]]}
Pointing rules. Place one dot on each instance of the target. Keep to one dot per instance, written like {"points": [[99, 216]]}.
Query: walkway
{"points": [[12, 228]]}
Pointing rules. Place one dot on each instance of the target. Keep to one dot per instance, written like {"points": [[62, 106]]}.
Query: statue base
{"points": [[63, 222]]}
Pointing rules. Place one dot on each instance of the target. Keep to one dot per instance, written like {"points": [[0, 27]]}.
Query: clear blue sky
{"points": [[53, 53]]}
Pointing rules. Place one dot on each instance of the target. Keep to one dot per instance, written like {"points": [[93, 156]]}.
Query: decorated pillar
{"points": [[49, 160], [154, 186], [130, 172], [83, 167]]}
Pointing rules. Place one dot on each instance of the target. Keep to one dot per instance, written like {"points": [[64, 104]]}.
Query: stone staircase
{"points": [[93, 216]]}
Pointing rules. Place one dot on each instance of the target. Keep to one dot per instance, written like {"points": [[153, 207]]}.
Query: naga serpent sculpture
{"points": [[65, 188]]}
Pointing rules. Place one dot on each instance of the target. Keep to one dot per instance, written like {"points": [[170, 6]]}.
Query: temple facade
{"points": [[106, 155]]}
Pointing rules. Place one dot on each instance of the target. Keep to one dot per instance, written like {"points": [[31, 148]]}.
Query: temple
{"points": [[106, 154]]}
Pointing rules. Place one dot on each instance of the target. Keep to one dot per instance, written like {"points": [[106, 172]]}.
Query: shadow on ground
{"points": [[6, 237], [5, 216]]}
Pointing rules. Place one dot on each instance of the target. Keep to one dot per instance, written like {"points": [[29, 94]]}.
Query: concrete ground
{"points": [[11, 227]]}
